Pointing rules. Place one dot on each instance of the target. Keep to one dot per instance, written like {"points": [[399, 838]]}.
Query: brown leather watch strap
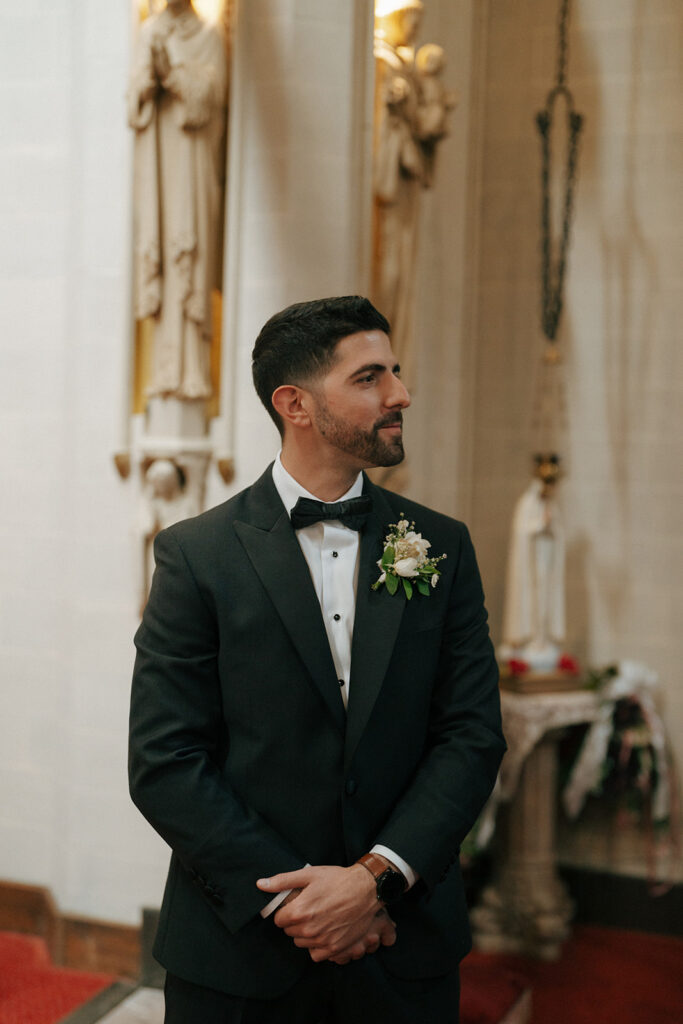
{"points": [[390, 883], [376, 865]]}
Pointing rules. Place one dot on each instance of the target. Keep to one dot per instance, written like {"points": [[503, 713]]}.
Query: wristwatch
{"points": [[390, 883]]}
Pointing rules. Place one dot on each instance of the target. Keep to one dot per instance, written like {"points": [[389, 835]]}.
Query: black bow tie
{"points": [[352, 513]]}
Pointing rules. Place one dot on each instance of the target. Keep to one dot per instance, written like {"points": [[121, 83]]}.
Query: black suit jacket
{"points": [[243, 758]]}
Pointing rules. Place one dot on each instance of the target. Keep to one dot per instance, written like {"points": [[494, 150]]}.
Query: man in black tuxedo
{"points": [[312, 749]]}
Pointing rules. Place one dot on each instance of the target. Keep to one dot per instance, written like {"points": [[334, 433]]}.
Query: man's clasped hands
{"points": [[332, 912]]}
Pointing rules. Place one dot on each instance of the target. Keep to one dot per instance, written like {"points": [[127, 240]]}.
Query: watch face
{"points": [[390, 885]]}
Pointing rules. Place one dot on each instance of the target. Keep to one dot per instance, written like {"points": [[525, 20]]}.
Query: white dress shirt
{"points": [[331, 552]]}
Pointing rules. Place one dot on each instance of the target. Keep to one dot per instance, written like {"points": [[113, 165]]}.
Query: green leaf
{"points": [[408, 587], [423, 587], [392, 583], [388, 557]]}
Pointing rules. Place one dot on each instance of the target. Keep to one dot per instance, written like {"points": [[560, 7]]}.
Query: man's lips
{"points": [[395, 426]]}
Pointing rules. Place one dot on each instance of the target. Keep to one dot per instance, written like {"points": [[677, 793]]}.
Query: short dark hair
{"points": [[298, 343]]}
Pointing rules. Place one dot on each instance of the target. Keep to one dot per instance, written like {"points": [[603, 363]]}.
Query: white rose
{"points": [[419, 543], [406, 567], [413, 545], [435, 579]]}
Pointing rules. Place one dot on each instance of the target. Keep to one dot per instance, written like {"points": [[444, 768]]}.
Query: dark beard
{"points": [[366, 445]]}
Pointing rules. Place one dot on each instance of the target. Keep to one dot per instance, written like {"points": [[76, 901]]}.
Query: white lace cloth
{"points": [[527, 718], [639, 683]]}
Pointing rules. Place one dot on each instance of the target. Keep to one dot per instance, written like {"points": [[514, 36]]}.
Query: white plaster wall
{"points": [[67, 610], [67, 590]]}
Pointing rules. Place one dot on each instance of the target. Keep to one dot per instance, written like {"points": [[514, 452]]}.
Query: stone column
{"points": [[527, 909]]}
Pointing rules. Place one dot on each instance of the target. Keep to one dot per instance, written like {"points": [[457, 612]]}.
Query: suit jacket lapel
{"points": [[272, 547], [376, 625]]}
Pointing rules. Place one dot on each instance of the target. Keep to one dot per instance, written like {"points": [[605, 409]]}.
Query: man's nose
{"points": [[398, 394]]}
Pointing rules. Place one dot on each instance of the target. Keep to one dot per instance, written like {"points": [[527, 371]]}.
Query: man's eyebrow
{"points": [[376, 368]]}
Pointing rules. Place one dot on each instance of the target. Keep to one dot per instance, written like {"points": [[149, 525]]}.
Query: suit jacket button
{"points": [[350, 787]]}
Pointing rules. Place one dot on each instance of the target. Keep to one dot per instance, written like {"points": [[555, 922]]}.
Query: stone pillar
{"points": [[299, 192], [527, 909]]}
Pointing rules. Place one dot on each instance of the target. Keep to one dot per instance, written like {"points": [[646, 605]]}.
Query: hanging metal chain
{"points": [[562, 47], [552, 277]]}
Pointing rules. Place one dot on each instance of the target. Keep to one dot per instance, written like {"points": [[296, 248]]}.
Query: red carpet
{"points": [[33, 990], [605, 976]]}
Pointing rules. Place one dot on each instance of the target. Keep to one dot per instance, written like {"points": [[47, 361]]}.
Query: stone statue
{"points": [[534, 610], [410, 117], [170, 492], [436, 103], [177, 107]]}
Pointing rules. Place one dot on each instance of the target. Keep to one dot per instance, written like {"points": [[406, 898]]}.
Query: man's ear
{"points": [[290, 402]]}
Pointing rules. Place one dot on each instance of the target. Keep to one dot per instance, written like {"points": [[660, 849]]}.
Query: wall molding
{"points": [[81, 943]]}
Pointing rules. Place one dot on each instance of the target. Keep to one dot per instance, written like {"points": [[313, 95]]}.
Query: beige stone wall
{"points": [[621, 326]]}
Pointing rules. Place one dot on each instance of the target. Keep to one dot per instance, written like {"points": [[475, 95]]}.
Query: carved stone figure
{"points": [[410, 115], [534, 610], [177, 106], [436, 103], [170, 492]]}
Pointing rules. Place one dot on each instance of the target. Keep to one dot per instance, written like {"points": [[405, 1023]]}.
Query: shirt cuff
{"points": [[405, 869], [274, 903]]}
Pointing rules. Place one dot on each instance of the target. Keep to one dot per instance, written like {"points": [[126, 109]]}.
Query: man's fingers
{"points": [[285, 880], [290, 896], [304, 941], [319, 954], [369, 943]]}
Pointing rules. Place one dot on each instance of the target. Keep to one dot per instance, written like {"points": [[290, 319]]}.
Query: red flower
{"points": [[569, 664], [517, 666]]}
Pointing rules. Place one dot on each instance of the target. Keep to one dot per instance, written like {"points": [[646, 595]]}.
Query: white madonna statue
{"points": [[534, 609], [177, 106]]}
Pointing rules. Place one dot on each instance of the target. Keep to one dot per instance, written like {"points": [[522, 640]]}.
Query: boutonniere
{"points": [[405, 561]]}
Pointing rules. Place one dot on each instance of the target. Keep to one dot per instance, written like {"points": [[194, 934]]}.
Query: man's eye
{"points": [[367, 379]]}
